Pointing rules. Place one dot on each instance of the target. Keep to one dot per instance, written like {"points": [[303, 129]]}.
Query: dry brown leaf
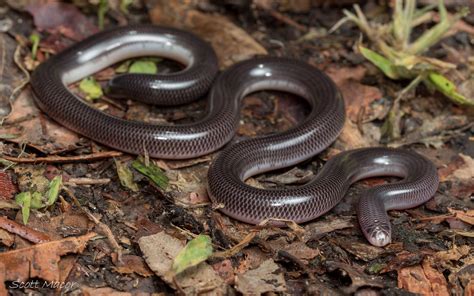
{"points": [[39, 261], [107, 291], [358, 279], [453, 254], [356, 95], [225, 270], [160, 249], [6, 238], [351, 138], [12, 79], [263, 279], [467, 217], [423, 279], [231, 43], [466, 171], [35, 129], [132, 264], [331, 223], [362, 251], [65, 18], [7, 188]]}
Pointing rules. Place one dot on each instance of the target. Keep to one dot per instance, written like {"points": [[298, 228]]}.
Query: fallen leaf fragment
{"points": [[454, 253], [39, 261], [125, 175], [66, 18], [357, 278], [159, 251], [35, 129], [231, 43], [106, 291], [131, 264], [224, 269], [7, 188], [362, 251], [6, 238], [467, 217], [91, 88], [153, 172], [263, 279], [144, 67], [195, 252], [356, 95], [422, 279], [316, 229], [465, 172]]}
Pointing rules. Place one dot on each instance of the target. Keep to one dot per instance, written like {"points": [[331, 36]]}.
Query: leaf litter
{"points": [[151, 210]]}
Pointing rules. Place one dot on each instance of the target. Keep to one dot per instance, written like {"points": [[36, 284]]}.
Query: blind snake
{"points": [[237, 162]]}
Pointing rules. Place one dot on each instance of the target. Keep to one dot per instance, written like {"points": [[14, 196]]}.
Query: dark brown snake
{"points": [[239, 161]]}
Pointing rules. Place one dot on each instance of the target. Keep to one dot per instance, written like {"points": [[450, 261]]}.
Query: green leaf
{"points": [[151, 171], [123, 67], [381, 62], [53, 191], [448, 88], [101, 11], [195, 252], [91, 88], [23, 199], [37, 201], [35, 40], [144, 67], [124, 4], [125, 175]]}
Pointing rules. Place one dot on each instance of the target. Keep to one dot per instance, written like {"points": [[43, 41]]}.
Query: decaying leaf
{"points": [[132, 264], [263, 279], [56, 17], [35, 129], [423, 279], [153, 172], [39, 261], [159, 251], [195, 252], [125, 175], [230, 42]]}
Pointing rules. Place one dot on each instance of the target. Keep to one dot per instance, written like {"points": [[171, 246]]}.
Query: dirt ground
{"points": [[113, 228]]}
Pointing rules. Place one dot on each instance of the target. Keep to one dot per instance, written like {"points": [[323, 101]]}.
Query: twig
{"points": [[108, 233], [65, 159], [87, 181], [23, 231], [283, 18], [238, 247]]}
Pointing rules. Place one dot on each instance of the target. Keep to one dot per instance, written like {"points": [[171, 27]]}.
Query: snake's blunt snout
{"points": [[380, 236]]}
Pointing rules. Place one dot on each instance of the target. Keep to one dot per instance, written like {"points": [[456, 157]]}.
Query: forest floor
{"points": [[109, 228]]}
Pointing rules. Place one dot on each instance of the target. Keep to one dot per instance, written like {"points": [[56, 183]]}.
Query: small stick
{"points": [[104, 227], [23, 231], [283, 18], [64, 159], [87, 181]]}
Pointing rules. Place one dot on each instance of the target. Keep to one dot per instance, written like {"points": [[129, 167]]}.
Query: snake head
{"points": [[379, 236]]}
